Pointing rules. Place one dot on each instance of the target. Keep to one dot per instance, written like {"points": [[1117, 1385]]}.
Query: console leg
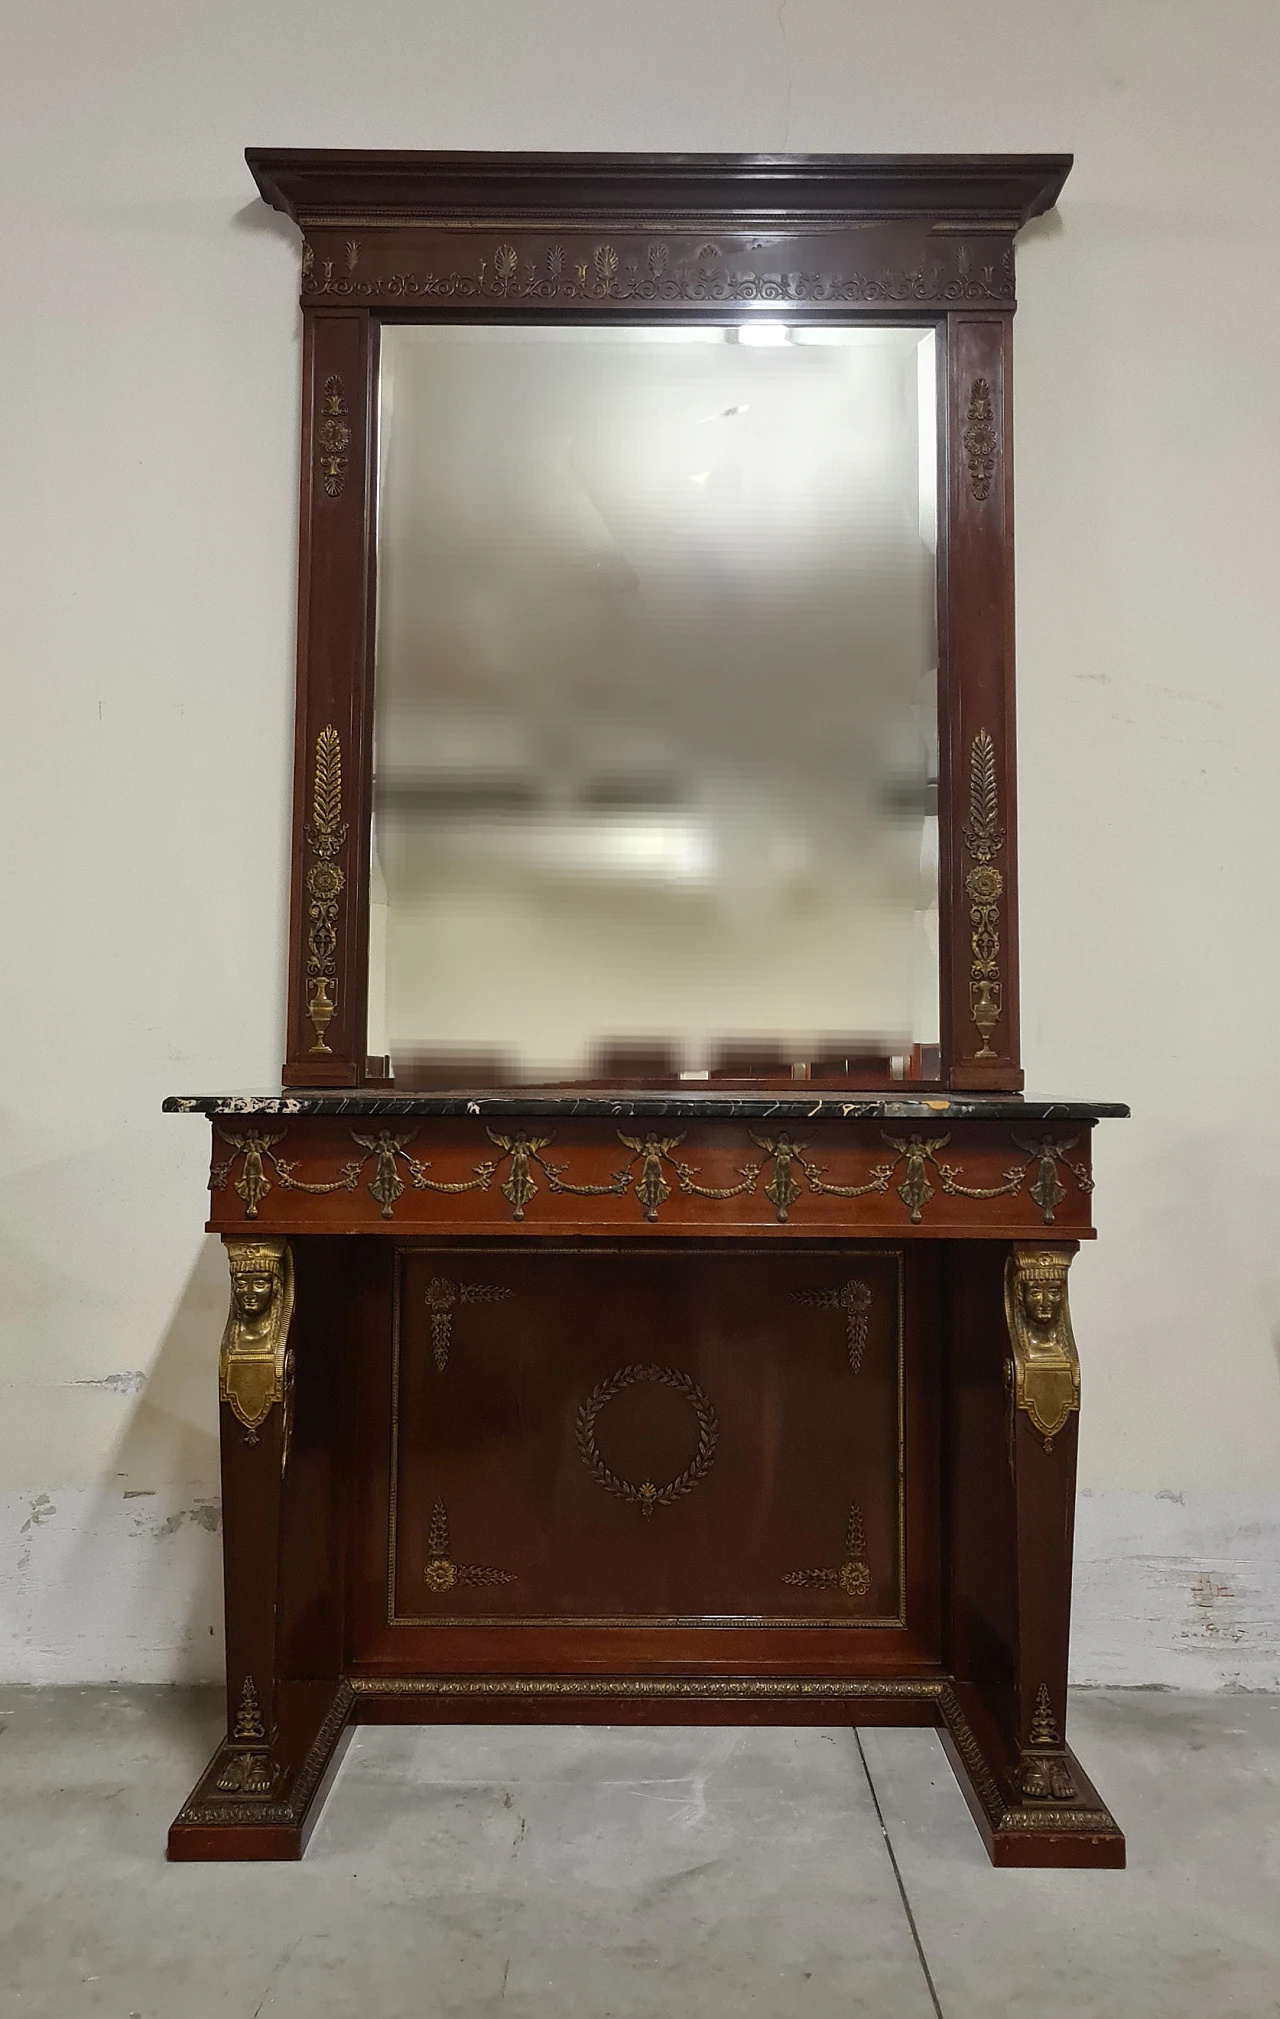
{"points": [[1005, 1731], [259, 1793]]}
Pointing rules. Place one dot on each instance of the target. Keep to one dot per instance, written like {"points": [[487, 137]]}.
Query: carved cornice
{"points": [[733, 191]]}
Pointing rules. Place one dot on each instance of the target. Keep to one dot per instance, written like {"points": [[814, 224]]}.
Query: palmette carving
{"points": [[252, 1360], [248, 1725], [292, 1808], [333, 437], [1043, 1774], [980, 442], [1044, 1726], [1044, 1368], [247, 1767]]}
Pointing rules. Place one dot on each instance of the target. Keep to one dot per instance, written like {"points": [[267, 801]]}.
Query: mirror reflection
{"points": [[655, 738]]}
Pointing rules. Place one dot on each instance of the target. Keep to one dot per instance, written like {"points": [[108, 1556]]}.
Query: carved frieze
{"points": [[537, 270], [910, 1167]]}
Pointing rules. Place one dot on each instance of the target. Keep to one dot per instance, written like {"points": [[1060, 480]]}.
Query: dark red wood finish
{"points": [[518, 1332], [646, 1180], [687, 238], [791, 1442]]}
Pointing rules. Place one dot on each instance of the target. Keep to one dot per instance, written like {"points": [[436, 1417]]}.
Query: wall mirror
{"points": [[656, 620], [655, 723]]}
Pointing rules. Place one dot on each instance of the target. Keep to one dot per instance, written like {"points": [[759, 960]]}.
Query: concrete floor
{"points": [[674, 1874]]}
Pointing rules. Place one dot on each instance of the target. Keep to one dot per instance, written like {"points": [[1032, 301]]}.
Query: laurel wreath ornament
{"points": [[647, 1496]]}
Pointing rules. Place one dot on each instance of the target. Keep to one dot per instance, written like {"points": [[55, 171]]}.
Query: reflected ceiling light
{"points": [[724, 414], [763, 333]]}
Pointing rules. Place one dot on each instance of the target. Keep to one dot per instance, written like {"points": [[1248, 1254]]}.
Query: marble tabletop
{"points": [[688, 1103]]}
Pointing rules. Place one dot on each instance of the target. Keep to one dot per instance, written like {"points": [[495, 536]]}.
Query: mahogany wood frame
{"points": [[612, 238], [979, 1197]]}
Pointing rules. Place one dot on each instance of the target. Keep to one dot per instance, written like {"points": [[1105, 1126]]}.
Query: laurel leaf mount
{"points": [[646, 1495]]}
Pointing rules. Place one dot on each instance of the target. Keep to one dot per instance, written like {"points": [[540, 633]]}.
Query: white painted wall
{"points": [[150, 376]]}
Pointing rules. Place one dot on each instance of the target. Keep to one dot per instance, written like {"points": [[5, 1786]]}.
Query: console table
{"points": [[743, 1391]]}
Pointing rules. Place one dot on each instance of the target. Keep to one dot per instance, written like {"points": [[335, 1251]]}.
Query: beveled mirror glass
{"points": [[655, 750]]}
